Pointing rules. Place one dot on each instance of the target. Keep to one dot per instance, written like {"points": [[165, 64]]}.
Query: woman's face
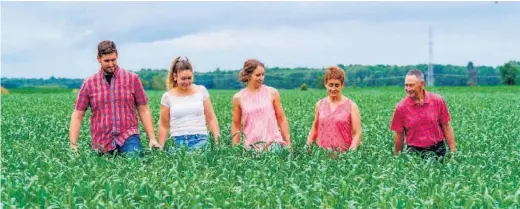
{"points": [[184, 79], [334, 87], [257, 77]]}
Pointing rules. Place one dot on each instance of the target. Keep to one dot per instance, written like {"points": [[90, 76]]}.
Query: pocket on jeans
{"points": [[194, 140]]}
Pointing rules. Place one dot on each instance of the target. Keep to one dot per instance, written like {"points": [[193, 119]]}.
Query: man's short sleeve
{"points": [[397, 123], [140, 94], [444, 112], [82, 100]]}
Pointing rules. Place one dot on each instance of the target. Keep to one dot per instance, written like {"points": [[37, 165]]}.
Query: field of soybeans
{"points": [[39, 171]]}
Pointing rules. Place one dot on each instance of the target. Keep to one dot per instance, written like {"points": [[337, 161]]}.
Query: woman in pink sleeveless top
{"points": [[259, 109], [337, 123]]}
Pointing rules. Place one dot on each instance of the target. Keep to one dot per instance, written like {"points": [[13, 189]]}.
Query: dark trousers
{"points": [[437, 150]]}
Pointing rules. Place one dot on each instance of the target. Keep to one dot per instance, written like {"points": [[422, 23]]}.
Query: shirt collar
{"points": [[426, 99], [116, 72]]}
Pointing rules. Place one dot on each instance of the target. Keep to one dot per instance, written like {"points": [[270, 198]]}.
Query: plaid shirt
{"points": [[113, 107], [421, 123]]}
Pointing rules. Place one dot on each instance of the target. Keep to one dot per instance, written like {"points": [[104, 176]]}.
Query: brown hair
{"points": [[177, 66], [334, 72], [250, 65], [106, 47]]}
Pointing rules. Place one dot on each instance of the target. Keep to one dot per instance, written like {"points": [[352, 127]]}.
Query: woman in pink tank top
{"points": [[259, 109], [337, 123]]}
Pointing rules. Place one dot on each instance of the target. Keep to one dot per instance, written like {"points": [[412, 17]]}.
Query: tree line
{"points": [[290, 78]]}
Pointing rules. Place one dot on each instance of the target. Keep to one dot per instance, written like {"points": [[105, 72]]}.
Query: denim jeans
{"points": [[193, 142], [131, 148]]}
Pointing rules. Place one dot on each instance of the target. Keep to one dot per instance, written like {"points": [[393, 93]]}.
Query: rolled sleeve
{"points": [[140, 94]]}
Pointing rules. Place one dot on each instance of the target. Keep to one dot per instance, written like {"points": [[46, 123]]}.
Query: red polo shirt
{"points": [[421, 123]]}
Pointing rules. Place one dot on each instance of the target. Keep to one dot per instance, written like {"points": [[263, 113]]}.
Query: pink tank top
{"points": [[259, 119], [334, 127]]}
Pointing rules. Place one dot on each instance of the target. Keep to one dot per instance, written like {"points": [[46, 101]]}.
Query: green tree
{"points": [[509, 72], [146, 83], [303, 87], [319, 82], [158, 82]]}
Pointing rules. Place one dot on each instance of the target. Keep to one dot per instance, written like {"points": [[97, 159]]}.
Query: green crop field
{"points": [[39, 171]]}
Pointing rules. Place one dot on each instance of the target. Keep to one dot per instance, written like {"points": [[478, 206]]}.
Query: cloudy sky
{"points": [[41, 39]]}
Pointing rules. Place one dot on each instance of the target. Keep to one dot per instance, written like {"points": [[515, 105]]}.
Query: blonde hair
{"points": [[178, 64], [334, 72], [250, 65]]}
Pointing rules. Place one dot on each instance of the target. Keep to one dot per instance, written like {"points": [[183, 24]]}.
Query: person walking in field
{"points": [[422, 118], [114, 95], [337, 122], [259, 109], [186, 109]]}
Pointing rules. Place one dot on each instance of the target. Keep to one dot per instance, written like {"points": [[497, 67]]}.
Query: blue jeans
{"points": [[131, 148], [193, 142]]}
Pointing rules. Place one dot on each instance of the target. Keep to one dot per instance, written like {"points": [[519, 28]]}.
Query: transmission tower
{"points": [[429, 79]]}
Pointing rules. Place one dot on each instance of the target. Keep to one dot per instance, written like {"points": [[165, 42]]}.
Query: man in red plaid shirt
{"points": [[113, 94], [423, 119]]}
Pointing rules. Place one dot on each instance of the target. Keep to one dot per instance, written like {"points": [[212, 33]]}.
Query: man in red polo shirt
{"points": [[422, 118], [113, 94]]}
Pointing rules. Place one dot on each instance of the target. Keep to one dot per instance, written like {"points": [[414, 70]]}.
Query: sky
{"points": [[43, 39]]}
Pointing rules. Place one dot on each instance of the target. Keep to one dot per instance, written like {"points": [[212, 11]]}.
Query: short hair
{"points": [[417, 73], [334, 72], [106, 47], [250, 66]]}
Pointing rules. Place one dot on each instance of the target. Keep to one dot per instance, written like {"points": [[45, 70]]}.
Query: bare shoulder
{"points": [[319, 101], [354, 105], [274, 92], [236, 98]]}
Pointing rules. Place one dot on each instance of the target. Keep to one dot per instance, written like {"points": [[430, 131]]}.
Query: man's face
{"points": [[108, 62], [413, 86]]}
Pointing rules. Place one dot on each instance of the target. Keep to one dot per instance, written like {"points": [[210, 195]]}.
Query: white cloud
{"points": [[288, 34], [348, 42]]}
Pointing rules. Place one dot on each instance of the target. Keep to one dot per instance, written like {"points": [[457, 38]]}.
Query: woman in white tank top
{"points": [[186, 109]]}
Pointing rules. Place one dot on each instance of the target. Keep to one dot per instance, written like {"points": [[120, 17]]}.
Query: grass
{"points": [[38, 170]]}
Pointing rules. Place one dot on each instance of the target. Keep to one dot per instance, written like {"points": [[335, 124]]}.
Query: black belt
{"points": [[439, 149]]}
